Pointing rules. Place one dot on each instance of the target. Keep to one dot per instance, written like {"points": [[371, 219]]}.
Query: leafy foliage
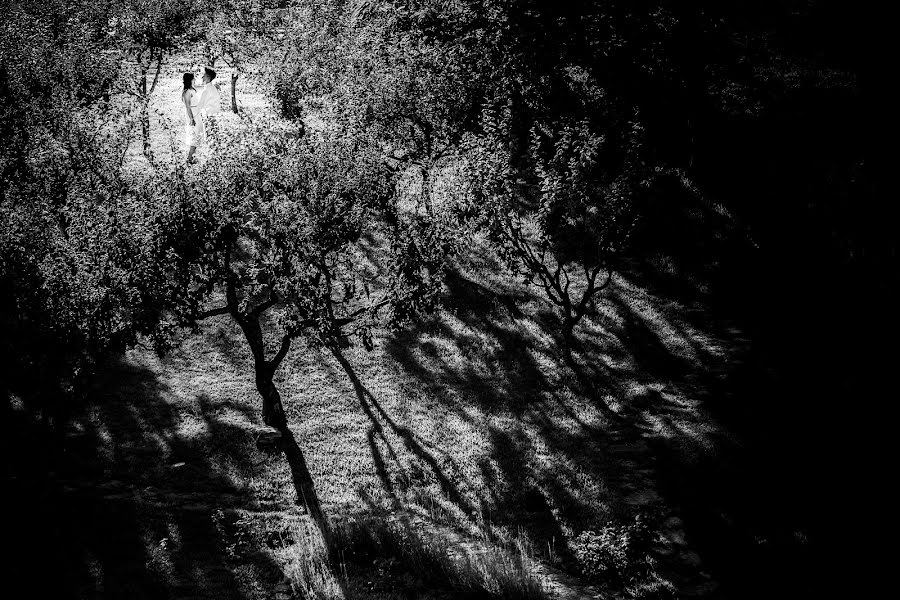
{"points": [[562, 115], [242, 35], [621, 556], [565, 229], [555, 152], [302, 212], [291, 229], [78, 283]]}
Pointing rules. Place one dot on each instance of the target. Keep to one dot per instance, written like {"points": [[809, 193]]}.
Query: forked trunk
{"points": [[273, 411]]}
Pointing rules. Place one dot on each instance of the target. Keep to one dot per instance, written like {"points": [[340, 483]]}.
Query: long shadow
{"points": [[482, 308], [232, 347], [750, 510], [511, 386], [595, 380], [126, 506], [307, 496], [645, 345], [659, 447], [303, 482], [370, 407], [518, 378]]}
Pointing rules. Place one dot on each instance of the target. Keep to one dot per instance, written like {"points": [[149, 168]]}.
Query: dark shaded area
{"points": [[752, 507], [107, 511], [803, 261], [747, 505], [806, 266], [394, 557]]}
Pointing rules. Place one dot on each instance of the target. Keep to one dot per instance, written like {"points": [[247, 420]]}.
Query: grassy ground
{"points": [[475, 426], [475, 421]]}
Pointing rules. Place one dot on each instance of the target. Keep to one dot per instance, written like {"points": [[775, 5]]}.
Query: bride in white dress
{"points": [[191, 133]]}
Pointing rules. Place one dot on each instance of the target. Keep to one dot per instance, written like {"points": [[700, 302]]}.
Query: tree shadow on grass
{"points": [[749, 508], [667, 439], [376, 414], [303, 482], [128, 505], [542, 447], [739, 487], [751, 503]]}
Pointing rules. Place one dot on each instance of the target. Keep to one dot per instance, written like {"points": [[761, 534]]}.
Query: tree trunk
{"points": [[145, 130], [234, 78], [145, 115], [569, 323], [273, 411]]}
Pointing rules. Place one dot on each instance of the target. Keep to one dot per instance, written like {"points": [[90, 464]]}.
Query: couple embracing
{"points": [[198, 108]]}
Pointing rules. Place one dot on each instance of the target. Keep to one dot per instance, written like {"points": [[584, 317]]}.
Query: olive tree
{"points": [[68, 297], [293, 237], [242, 35], [144, 33], [564, 229], [555, 158]]}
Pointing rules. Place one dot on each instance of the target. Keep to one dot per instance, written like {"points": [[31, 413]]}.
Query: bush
{"points": [[621, 556]]}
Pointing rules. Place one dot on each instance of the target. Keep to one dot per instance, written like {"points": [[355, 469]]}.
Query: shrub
{"points": [[621, 555]]}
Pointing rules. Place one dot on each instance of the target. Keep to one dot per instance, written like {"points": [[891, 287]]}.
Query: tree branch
{"points": [[159, 63], [353, 316], [593, 289], [222, 310], [259, 310], [282, 350]]}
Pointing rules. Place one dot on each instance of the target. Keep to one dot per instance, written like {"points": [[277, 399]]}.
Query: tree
{"points": [[555, 161], [566, 229], [66, 300], [239, 34], [293, 238], [566, 114], [301, 236], [144, 33]]}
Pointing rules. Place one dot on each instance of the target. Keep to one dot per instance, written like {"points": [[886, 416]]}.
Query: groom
{"points": [[209, 103]]}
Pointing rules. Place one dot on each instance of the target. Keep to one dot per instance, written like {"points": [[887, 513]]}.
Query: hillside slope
{"points": [[477, 420]]}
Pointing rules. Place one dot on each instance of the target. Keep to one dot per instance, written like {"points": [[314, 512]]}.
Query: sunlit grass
{"points": [[410, 559]]}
